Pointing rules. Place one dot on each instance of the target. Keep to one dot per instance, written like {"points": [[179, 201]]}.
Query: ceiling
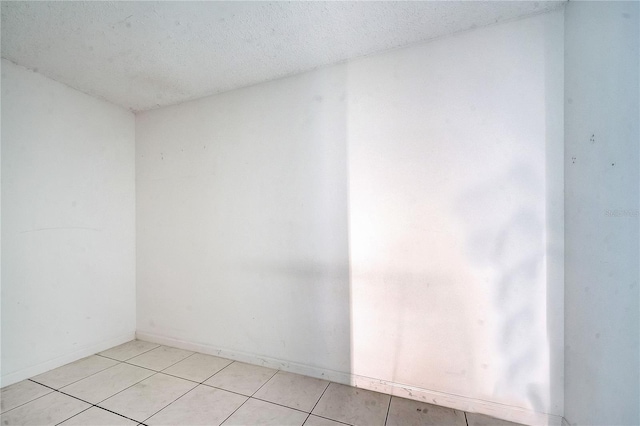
{"points": [[142, 55]]}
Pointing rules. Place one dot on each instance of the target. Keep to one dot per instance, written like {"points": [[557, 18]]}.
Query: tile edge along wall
{"points": [[161, 269], [458, 402], [68, 186], [67, 358]]}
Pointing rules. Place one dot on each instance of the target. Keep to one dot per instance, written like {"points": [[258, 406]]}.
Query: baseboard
{"points": [[458, 402], [25, 373]]}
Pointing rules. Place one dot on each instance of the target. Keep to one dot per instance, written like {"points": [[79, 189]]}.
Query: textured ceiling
{"points": [[143, 55]]}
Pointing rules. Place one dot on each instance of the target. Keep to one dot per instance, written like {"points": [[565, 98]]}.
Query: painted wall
{"points": [[68, 224], [397, 219], [242, 221], [602, 170], [455, 215]]}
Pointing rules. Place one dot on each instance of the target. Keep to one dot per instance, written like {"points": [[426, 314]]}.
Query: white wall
{"points": [[242, 221], [602, 169], [453, 209], [68, 224], [397, 219]]}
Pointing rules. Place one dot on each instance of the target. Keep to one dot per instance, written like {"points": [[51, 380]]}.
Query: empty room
{"points": [[320, 213]]}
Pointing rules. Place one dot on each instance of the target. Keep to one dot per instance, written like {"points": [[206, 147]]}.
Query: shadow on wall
{"points": [[447, 227], [305, 309], [383, 219], [506, 240]]}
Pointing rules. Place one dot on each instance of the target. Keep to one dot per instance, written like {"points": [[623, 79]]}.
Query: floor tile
{"points": [[106, 383], [293, 390], [241, 378], [95, 416], [147, 397], [67, 374], [203, 405], [20, 393], [160, 358], [320, 421], [159, 385], [474, 419], [255, 412], [415, 413], [128, 350], [352, 405], [198, 367], [50, 409]]}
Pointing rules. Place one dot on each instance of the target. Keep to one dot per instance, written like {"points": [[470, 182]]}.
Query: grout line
{"points": [[131, 357], [87, 402], [327, 418], [192, 381], [34, 399], [155, 372], [121, 415], [170, 403], [241, 405], [314, 405], [234, 411], [69, 384], [41, 384], [139, 366], [113, 359], [102, 400], [267, 381], [173, 375], [169, 366], [178, 377], [77, 414], [128, 387], [226, 390], [388, 408], [99, 408], [281, 405], [80, 399], [187, 357], [202, 382]]}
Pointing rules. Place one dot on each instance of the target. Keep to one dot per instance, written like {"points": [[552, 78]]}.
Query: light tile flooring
{"points": [[141, 383]]}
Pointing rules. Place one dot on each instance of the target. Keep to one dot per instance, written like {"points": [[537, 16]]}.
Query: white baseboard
{"points": [[494, 409], [25, 373]]}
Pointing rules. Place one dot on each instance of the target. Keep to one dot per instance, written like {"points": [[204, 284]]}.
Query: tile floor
{"points": [[141, 383]]}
